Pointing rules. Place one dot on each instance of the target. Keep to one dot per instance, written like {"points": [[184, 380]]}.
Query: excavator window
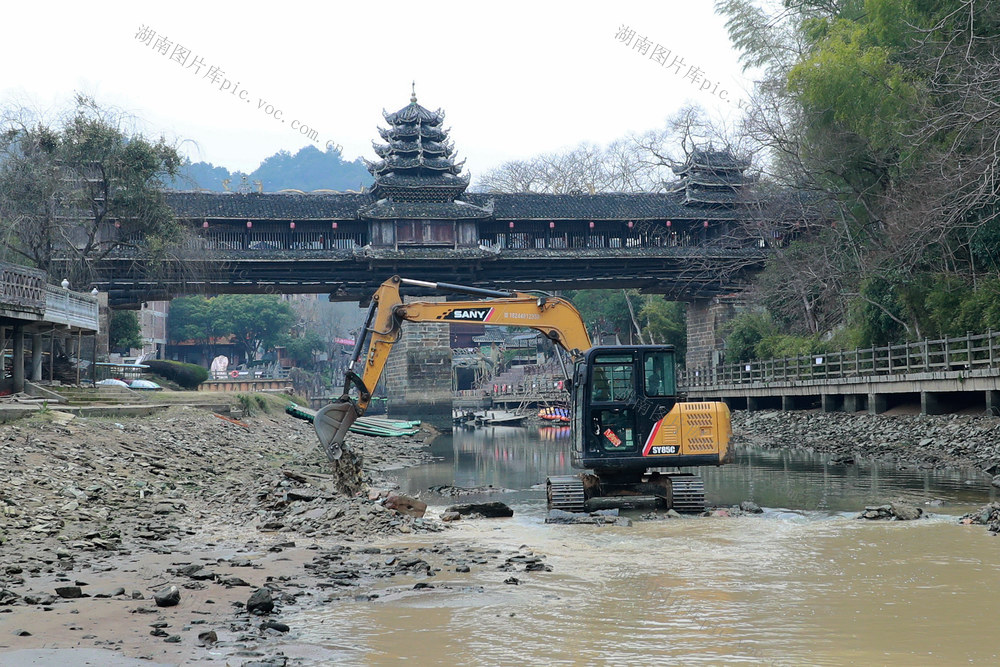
{"points": [[613, 429], [658, 373], [613, 381]]}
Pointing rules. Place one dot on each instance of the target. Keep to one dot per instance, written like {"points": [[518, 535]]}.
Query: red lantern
{"points": [[511, 225], [291, 225], [204, 225], [630, 224], [591, 224], [668, 223], [249, 224], [552, 225], [705, 223], [335, 225], [117, 224]]}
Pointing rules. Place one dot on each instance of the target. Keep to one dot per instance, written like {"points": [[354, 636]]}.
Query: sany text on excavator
{"points": [[631, 432]]}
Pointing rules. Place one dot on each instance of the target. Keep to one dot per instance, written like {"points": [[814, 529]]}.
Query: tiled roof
{"points": [[266, 206], [517, 206]]}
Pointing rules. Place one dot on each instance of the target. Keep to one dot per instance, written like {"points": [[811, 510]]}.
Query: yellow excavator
{"points": [[631, 431]]}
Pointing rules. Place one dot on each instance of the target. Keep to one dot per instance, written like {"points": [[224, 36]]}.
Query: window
{"points": [[612, 429], [658, 373], [612, 383]]}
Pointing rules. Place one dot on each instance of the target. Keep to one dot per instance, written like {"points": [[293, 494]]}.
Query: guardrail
{"points": [[21, 288], [73, 309], [964, 353]]}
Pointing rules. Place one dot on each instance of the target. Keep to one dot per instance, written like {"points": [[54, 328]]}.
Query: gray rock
{"points": [[595, 518], [168, 597], [207, 638], [750, 507], [996, 481], [274, 625], [905, 512], [260, 602], [491, 510], [69, 592]]}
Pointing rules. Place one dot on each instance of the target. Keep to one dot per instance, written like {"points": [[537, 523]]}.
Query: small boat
{"points": [[555, 415], [498, 418]]}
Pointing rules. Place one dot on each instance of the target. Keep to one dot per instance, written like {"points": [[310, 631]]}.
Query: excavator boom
{"points": [[552, 316]]}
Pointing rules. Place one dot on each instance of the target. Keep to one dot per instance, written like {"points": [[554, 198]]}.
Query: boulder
{"points": [[69, 592], [891, 512], [905, 512], [406, 505], [492, 510], [596, 518], [274, 625], [168, 597], [260, 602]]}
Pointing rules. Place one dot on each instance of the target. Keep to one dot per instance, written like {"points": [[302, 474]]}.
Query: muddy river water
{"points": [[802, 584]]}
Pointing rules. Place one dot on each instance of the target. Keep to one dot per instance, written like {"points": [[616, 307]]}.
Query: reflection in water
{"points": [[520, 458], [811, 586]]}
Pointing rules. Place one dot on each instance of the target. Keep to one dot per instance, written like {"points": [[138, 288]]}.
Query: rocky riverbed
{"points": [[185, 536], [908, 440]]}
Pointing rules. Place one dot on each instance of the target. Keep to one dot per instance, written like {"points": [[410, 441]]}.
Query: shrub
{"points": [[188, 376]]}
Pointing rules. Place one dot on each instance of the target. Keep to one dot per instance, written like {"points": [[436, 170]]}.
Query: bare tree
{"points": [[72, 192]]}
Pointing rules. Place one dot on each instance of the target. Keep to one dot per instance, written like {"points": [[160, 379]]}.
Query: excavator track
{"points": [[565, 492], [688, 493]]}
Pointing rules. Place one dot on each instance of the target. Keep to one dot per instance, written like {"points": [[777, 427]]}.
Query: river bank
{"points": [[98, 516], [960, 441]]}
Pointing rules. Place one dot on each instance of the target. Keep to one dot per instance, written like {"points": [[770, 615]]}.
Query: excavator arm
{"points": [[552, 316]]}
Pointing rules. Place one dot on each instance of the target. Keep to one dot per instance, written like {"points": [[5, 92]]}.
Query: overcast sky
{"points": [[515, 78]]}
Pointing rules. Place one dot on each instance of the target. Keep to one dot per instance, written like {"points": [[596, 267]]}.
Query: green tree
{"points": [[191, 318], [665, 323], [300, 349], [256, 321], [124, 331], [72, 192]]}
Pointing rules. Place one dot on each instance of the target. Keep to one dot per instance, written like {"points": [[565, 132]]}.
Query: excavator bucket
{"points": [[332, 424]]}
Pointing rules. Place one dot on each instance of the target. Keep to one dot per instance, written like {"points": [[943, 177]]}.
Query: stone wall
{"points": [[705, 319], [418, 374]]}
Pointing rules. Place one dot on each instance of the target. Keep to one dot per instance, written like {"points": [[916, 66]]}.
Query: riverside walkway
{"points": [[946, 375]]}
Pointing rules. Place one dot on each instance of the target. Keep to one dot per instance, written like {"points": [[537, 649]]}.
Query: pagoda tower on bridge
{"points": [[418, 184]]}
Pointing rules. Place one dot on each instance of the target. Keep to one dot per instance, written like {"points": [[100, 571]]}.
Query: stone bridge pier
{"points": [[705, 321], [418, 374]]}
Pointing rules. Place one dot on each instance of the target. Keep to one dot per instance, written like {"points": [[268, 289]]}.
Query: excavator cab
{"points": [[621, 392]]}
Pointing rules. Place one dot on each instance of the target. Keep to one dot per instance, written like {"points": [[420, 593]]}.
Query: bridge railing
{"points": [[962, 353], [73, 309], [269, 236], [21, 288], [611, 235]]}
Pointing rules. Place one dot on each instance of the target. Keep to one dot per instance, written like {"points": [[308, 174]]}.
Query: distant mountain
{"points": [[309, 169]]}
